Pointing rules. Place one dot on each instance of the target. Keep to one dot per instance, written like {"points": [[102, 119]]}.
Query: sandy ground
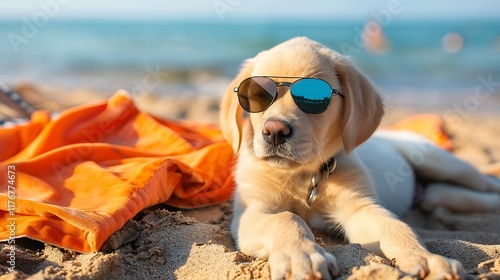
{"points": [[165, 243]]}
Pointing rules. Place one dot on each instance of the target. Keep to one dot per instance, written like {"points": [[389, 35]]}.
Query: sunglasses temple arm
{"points": [[338, 92]]}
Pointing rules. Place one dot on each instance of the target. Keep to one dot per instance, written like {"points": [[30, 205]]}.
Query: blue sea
{"points": [[198, 57]]}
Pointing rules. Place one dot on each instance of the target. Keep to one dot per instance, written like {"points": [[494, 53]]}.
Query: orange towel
{"points": [[428, 125], [81, 176]]}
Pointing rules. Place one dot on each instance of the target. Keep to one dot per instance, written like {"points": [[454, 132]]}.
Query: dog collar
{"points": [[326, 169]]}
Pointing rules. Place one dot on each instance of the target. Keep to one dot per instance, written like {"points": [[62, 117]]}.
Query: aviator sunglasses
{"points": [[312, 95]]}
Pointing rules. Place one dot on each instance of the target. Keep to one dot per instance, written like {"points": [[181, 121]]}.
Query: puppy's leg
{"points": [[285, 240], [377, 230], [437, 164], [458, 199]]}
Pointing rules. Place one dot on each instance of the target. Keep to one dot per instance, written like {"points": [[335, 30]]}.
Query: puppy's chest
{"points": [[317, 214], [314, 217], [297, 199], [297, 194]]}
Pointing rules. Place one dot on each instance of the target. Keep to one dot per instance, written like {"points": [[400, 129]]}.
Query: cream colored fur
{"points": [[272, 219]]}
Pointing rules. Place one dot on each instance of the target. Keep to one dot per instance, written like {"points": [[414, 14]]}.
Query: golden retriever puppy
{"points": [[298, 169]]}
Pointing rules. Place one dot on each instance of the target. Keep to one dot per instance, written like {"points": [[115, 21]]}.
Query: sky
{"points": [[252, 9]]}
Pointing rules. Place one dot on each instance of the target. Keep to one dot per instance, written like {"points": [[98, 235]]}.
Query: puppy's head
{"points": [[283, 135]]}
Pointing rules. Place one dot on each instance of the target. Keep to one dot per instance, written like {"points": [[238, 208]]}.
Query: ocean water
{"points": [[170, 57]]}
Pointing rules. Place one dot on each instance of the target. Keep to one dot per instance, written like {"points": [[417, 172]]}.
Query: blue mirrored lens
{"points": [[311, 95]]}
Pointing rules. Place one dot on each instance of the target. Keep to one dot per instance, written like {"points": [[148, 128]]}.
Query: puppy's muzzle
{"points": [[276, 132]]}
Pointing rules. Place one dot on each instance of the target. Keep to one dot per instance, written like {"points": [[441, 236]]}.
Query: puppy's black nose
{"points": [[276, 132]]}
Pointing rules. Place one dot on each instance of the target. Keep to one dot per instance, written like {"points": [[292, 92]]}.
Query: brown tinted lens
{"points": [[256, 94]]}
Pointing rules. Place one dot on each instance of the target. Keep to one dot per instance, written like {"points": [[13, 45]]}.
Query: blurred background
{"points": [[419, 53]]}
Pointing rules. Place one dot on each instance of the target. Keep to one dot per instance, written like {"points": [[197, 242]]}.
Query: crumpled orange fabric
{"points": [[81, 176]]}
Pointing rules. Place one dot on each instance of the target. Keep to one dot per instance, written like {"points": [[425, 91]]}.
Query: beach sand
{"points": [[166, 243]]}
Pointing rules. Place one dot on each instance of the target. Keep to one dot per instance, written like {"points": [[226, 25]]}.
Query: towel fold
{"points": [[80, 176]]}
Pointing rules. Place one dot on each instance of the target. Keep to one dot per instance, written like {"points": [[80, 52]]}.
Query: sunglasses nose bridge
{"points": [[282, 88], [283, 84]]}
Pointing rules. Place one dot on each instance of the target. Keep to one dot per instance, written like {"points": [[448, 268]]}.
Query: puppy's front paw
{"points": [[307, 260], [431, 266]]}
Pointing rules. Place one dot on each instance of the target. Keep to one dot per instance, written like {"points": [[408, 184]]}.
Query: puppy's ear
{"points": [[363, 108], [231, 113]]}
